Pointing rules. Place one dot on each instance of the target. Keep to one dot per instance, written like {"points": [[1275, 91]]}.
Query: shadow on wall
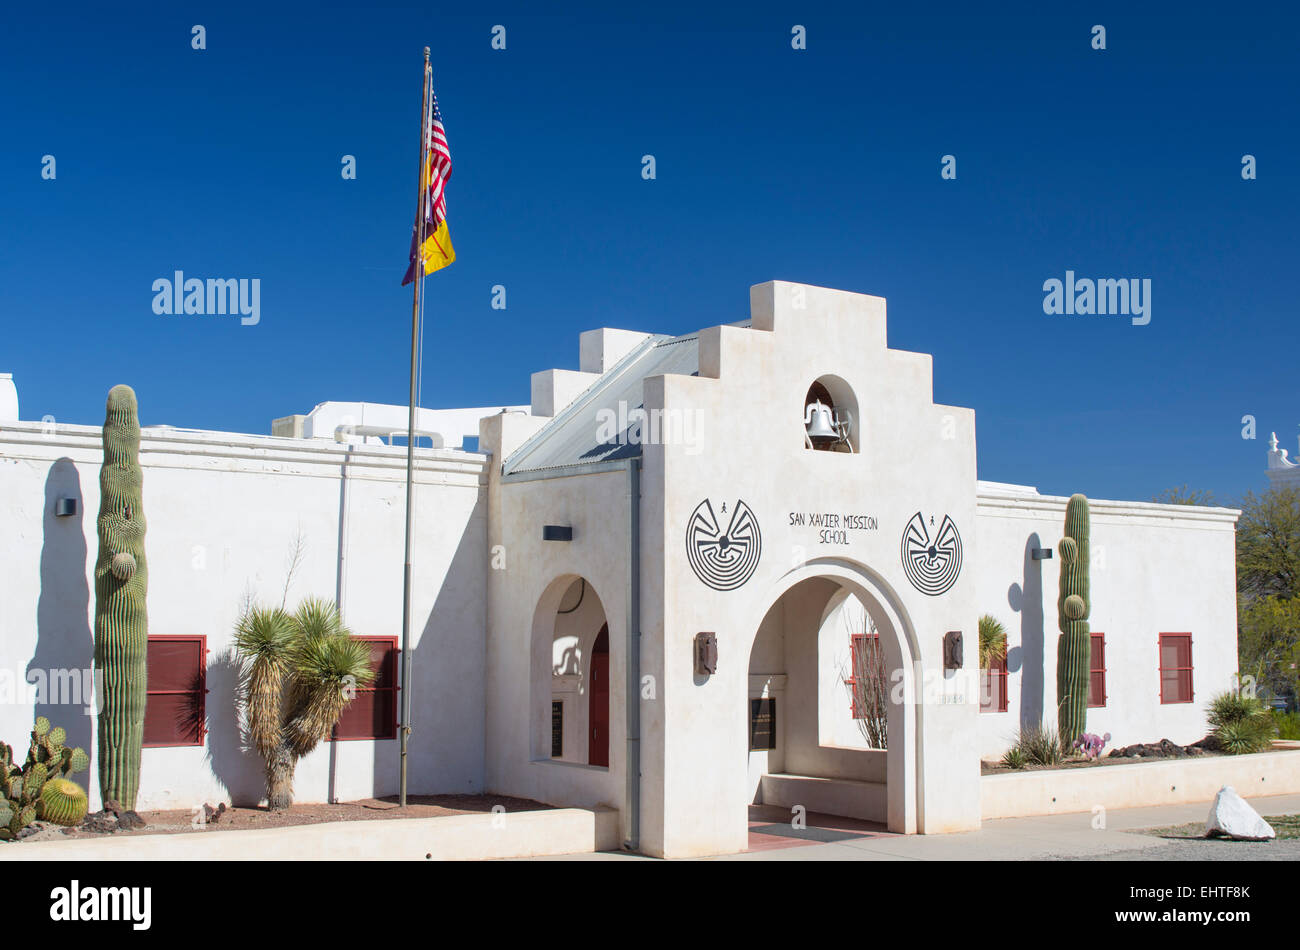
{"points": [[1027, 600], [570, 662], [238, 768], [65, 646], [437, 675]]}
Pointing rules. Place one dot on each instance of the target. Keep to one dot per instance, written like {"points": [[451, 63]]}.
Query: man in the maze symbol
{"points": [[931, 564], [723, 559]]}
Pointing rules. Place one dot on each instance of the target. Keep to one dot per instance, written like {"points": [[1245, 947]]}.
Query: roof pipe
{"points": [[350, 433], [632, 692]]}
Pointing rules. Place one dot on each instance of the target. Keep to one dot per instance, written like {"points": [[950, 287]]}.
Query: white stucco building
{"points": [[642, 591], [1282, 470]]}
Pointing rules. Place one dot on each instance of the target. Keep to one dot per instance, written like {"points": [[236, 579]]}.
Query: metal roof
{"points": [[568, 445]]}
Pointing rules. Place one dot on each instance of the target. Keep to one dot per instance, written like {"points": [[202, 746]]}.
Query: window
{"points": [[1097, 674], [993, 686], [866, 683], [174, 697], [372, 714], [1175, 668]]}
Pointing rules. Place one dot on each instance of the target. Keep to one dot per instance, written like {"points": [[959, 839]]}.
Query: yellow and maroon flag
{"points": [[437, 251]]}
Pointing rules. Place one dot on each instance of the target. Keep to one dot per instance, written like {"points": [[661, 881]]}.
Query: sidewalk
{"points": [[1047, 837]]}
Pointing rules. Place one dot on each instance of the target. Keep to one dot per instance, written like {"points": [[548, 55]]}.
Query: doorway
{"points": [[598, 701]]}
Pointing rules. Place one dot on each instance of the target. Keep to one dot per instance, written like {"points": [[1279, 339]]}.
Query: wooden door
{"points": [[598, 701]]}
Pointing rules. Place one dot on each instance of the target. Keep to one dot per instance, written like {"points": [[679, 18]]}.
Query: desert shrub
{"points": [[1039, 745], [1013, 758], [1241, 723], [1288, 724]]}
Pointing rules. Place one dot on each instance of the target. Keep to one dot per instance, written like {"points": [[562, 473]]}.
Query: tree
{"points": [[1268, 544], [300, 671], [1183, 495], [1268, 644], [868, 681]]}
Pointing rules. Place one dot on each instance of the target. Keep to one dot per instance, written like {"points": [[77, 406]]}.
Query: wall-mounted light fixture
{"points": [[557, 532], [1041, 554], [65, 507], [706, 653], [952, 652]]}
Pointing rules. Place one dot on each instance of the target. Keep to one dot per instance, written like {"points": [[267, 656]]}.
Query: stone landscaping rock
{"points": [[1232, 817], [100, 823], [1164, 749]]}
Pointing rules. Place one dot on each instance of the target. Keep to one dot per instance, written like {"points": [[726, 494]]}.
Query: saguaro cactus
{"points": [[121, 580], [1074, 648]]}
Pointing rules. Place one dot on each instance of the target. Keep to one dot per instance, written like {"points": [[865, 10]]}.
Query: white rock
{"points": [[1231, 816]]}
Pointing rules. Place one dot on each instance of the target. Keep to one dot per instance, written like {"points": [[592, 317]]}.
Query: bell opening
{"points": [[828, 421]]}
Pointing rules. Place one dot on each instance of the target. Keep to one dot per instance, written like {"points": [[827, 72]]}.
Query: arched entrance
{"points": [[570, 675], [807, 745]]}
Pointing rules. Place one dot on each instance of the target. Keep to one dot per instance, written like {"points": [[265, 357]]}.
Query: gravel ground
{"points": [[1186, 843], [1201, 849]]}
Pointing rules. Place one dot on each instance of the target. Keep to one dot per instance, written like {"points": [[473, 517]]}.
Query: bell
{"points": [[821, 425]]}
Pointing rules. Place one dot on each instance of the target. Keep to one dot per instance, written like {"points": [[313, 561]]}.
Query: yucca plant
{"points": [[993, 641], [299, 673], [1242, 724]]}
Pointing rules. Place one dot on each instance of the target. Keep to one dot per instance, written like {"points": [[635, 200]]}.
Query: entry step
{"points": [[850, 798]]}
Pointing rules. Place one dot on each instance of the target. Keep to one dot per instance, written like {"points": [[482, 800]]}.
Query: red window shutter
{"points": [[994, 696], [1176, 668], [372, 714], [866, 663], [175, 696], [1097, 672]]}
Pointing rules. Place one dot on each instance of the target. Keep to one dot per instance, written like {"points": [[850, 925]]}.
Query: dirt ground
{"points": [[990, 768], [241, 817], [994, 766]]}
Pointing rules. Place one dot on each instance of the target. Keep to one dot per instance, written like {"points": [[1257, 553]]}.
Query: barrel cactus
{"points": [[63, 802], [121, 582], [1074, 605]]}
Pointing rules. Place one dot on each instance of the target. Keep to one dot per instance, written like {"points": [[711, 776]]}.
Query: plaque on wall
{"points": [[762, 724], [557, 729]]}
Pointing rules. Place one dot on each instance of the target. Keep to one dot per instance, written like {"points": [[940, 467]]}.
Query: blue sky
{"points": [[820, 166]]}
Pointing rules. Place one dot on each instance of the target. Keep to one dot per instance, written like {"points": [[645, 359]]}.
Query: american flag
{"points": [[439, 168], [434, 206]]}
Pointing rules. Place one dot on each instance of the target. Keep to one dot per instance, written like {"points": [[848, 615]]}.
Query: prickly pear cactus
{"points": [[40, 788], [1074, 647], [121, 581]]}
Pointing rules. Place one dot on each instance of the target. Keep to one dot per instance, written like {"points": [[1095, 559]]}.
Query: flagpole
{"points": [[405, 731]]}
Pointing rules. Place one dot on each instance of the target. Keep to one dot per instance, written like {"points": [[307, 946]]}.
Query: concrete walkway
{"points": [[1047, 837]]}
